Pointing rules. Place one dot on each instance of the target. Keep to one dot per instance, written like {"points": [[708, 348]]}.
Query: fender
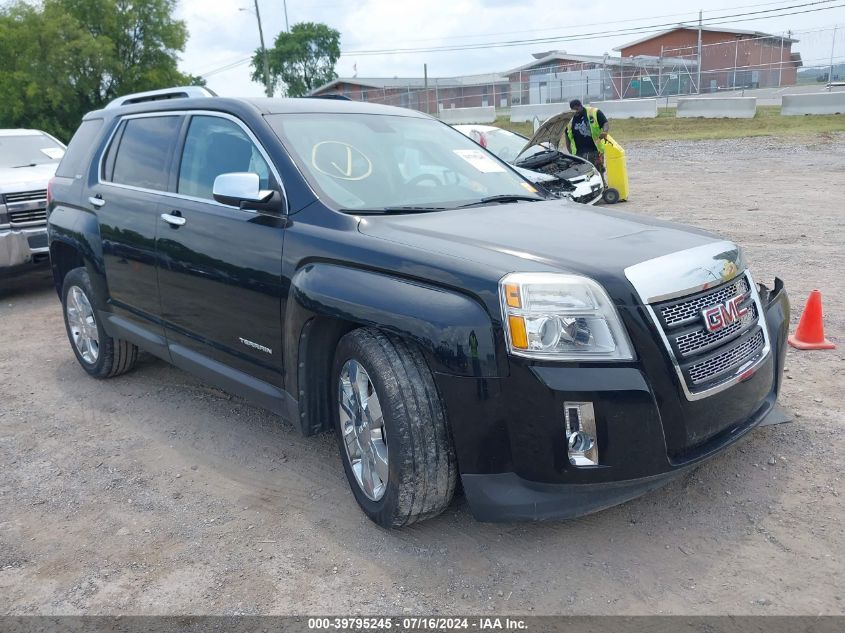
{"points": [[79, 230], [454, 331]]}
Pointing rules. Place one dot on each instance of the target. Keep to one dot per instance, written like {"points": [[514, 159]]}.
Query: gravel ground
{"points": [[153, 493]]}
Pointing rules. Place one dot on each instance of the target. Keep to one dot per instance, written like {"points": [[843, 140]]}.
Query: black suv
{"points": [[370, 269]]}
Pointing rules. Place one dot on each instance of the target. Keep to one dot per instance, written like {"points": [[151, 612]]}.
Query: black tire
{"points": [[421, 459], [611, 195], [114, 356]]}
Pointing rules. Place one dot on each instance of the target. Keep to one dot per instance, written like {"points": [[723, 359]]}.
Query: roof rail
{"points": [[181, 92], [329, 96]]}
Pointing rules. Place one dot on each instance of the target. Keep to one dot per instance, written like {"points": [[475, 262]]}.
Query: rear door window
{"points": [[143, 155]]}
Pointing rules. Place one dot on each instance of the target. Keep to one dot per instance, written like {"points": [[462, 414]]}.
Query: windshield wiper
{"points": [[502, 198], [27, 165], [389, 210]]}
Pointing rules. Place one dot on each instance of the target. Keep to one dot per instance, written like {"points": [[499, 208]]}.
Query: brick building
{"points": [[557, 76], [662, 64], [421, 94], [729, 59]]}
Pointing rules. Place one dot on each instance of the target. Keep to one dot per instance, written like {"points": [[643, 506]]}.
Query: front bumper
{"points": [[22, 249], [510, 438], [589, 191]]}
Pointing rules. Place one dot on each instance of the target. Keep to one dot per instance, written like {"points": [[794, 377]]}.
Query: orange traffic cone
{"points": [[810, 332]]}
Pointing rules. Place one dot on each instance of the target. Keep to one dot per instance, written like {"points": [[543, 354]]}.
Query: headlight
{"points": [[561, 317]]}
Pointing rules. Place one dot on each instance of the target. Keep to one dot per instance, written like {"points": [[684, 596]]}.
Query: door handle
{"points": [[97, 201], [173, 220]]}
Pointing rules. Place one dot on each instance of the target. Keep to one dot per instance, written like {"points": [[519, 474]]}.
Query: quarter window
{"points": [[142, 157], [217, 146], [80, 146]]}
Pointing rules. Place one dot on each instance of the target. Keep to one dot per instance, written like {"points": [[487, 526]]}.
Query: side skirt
{"points": [[236, 382], [258, 392]]}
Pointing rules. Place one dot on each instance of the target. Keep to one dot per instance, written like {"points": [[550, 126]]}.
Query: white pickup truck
{"points": [[28, 159]]}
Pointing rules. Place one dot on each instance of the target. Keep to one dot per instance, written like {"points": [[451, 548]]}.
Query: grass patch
{"points": [[767, 122]]}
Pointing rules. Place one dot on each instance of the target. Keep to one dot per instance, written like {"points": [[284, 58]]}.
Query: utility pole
{"points": [[268, 88], [780, 61], [736, 60], [622, 87], [285, 5], [603, 74], [698, 90], [660, 73], [830, 70], [425, 87]]}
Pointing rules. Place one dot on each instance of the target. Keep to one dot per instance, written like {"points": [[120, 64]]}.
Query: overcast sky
{"points": [[221, 33]]}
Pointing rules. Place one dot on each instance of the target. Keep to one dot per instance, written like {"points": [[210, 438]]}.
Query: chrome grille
{"points": [[700, 340], [26, 196], [31, 216], [728, 360], [705, 359], [690, 309], [27, 208]]}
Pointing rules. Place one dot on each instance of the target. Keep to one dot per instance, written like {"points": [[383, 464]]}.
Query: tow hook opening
{"points": [[580, 422]]}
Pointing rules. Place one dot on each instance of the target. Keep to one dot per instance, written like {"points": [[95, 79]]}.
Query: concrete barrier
{"points": [[543, 111], [628, 108], [813, 103], [455, 116], [717, 108]]}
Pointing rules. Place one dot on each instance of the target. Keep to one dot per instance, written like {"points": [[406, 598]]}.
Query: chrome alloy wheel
{"points": [[362, 427], [82, 325]]}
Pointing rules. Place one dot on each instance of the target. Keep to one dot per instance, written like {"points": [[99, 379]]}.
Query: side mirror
{"points": [[241, 189]]}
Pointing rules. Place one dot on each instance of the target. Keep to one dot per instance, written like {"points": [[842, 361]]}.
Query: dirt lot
{"points": [[153, 493]]}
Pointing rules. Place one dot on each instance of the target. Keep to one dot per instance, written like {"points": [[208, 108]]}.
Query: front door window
{"points": [[217, 146]]}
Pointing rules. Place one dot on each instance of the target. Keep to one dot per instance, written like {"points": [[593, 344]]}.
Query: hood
{"points": [[551, 132], [555, 235], [14, 180]]}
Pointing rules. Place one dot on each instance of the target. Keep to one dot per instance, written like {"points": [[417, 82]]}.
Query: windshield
{"points": [[504, 144], [29, 150], [373, 162]]}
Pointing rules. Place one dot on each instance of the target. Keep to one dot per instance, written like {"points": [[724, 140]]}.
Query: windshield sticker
{"points": [[53, 152], [528, 187], [480, 160], [340, 160]]}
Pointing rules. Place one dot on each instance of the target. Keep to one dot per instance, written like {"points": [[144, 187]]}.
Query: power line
{"points": [[603, 22], [233, 60], [592, 35], [599, 34], [227, 67], [578, 37], [768, 17]]}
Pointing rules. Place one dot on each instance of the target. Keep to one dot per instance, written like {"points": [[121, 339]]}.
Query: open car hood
{"points": [[550, 133]]}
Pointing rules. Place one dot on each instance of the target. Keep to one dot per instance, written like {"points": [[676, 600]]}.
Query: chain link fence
{"points": [[739, 64]]}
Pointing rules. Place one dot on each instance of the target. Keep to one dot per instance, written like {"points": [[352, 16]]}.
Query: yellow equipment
{"points": [[616, 172]]}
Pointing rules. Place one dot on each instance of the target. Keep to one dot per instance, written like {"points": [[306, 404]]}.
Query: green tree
{"points": [[301, 60], [64, 58]]}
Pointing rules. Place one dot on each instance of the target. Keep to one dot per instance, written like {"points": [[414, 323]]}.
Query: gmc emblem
{"points": [[721, 316]]}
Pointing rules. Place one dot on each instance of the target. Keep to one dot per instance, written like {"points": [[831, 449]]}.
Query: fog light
{"points": [[581, 433]]}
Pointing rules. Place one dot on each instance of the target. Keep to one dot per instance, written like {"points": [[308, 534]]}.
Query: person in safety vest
{"points": [[586, 132]]}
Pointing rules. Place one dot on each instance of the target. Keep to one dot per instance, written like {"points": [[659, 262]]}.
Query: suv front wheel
{"points": [[99, 354], [392, 429]]}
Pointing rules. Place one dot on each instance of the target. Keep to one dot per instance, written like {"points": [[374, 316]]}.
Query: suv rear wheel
{"points": [[99, 354], [392, 429]]}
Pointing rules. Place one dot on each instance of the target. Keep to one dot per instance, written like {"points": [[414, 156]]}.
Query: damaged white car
{"points": [[540, 160]]}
